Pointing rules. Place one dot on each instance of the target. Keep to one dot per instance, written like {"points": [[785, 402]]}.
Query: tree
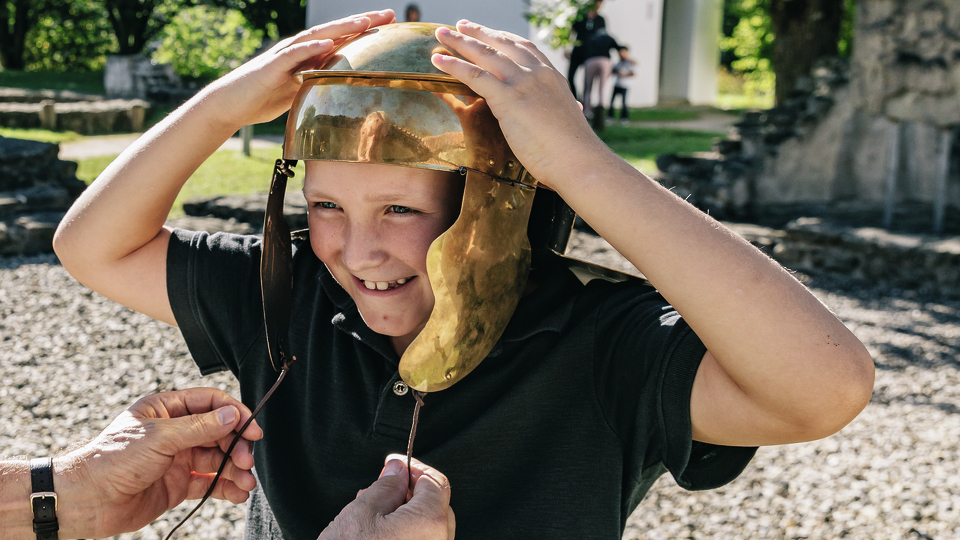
{"points": [[136, 22], [17, 17], [70, 35], [805, 31], [276, 18], [205, 42]]}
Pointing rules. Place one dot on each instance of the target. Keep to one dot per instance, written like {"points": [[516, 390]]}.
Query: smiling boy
{"points": [[591, 393]]}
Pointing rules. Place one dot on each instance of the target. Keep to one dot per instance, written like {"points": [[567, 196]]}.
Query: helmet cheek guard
{"points": [[379, 99]]}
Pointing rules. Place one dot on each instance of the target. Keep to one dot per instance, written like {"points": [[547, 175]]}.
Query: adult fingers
{"points": [[209, 460], [192, 401], [179, 434], [225, 490], [386, 494]]}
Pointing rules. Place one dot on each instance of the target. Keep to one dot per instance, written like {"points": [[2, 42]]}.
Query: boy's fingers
{"points": [[520, 50], [346, 26], [485, 57]]}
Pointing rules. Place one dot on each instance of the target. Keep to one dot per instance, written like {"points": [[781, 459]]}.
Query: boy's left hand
{"points": [[539, 116]]}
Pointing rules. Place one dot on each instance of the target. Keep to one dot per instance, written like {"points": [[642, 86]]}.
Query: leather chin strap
{"points": [[276, 268]]}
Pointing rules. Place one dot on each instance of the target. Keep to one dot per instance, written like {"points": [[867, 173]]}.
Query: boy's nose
{"points": [[363, 248]]}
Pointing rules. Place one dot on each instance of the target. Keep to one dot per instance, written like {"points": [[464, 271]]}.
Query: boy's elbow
{"points": [[849, 394]]}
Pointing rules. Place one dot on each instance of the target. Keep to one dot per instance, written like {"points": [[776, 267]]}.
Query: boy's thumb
{"points": [[202, 429]]}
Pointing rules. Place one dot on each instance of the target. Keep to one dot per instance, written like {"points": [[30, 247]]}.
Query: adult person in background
{"points": [[598, 67], [413, 13], [166, 447], [584, 29]]}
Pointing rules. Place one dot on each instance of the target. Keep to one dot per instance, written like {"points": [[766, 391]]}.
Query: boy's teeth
{"points": [[383, 285]]}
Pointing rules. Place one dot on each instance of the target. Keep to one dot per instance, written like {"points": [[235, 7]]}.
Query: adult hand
{"points": [[263, 88], [162, 450], [539, 116], [391, 509]]}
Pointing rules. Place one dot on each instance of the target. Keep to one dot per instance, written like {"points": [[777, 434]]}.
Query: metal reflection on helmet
{"points": [[379, 99]]}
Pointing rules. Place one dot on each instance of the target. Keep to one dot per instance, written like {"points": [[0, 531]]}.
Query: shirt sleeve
{"points": [[213, 283], [646, 358]]}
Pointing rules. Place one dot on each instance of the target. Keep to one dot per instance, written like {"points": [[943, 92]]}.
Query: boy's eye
{"points": [[397, 209], [326, 204]]}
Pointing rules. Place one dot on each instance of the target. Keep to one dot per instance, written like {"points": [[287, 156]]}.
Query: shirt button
{"points": [[400, 388]]}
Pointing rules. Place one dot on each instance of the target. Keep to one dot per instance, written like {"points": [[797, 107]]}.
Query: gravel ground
{"points": [[71, 360]]}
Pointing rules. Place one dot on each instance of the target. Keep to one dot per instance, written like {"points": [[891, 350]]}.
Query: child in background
{"points": [[624, 71]]}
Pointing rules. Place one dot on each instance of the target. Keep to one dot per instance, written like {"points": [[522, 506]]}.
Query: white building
{"points": [[676, 42]]}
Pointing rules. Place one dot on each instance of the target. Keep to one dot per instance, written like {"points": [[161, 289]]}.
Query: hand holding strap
{"points": [[43, 500]]}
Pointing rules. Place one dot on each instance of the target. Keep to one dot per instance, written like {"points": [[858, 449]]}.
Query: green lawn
{"points": [[231, 172], [41, 135], [641, 146], [87, 83], [226, 172]]}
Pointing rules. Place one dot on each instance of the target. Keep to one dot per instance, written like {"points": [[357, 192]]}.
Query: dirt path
{"points": [[112, 145]]}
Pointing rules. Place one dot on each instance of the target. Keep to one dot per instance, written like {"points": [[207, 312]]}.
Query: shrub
{"points": [[206, 43]]}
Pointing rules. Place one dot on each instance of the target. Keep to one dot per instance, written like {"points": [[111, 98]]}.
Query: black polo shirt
{"points": [[558, 433]]}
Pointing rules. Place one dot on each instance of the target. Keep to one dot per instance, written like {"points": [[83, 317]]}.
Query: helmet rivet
{"points": [[449, 375], [509, 164], [492, 163]]}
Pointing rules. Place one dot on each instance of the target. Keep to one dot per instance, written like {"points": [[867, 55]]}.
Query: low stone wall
{"points": [[36, 189], [88, 117]]}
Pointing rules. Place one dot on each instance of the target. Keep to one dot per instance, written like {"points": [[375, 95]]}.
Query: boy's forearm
{"points": [[128, 203], [771, 336]]}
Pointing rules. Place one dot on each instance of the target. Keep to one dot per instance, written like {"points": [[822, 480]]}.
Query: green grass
{"points": [[41, 135], [661, 115], [225, 172], [742, 102], [230, 172], [84, 82], [641, 146]]}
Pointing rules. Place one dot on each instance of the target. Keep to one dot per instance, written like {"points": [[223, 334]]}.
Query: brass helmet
{"points": [[379, 99]]}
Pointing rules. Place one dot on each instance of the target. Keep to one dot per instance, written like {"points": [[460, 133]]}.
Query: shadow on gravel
{"points": [[16, 261]]}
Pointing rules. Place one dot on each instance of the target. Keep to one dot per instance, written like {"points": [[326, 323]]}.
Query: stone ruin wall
{"points": [[830, 142], [904, 75]]}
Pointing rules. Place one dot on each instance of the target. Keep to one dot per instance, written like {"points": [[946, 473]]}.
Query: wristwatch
{"points": [[43, 500]]}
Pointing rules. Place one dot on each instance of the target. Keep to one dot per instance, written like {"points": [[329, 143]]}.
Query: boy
{"points": [[592, 391]]}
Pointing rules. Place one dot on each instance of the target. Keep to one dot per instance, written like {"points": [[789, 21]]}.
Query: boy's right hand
{"points": [[263, 88]]}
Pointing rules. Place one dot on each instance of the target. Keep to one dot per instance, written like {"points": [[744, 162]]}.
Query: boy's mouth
{"points": [[384, 285]]}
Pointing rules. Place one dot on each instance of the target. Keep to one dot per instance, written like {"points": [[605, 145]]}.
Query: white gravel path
{"points": [[70, 360]]}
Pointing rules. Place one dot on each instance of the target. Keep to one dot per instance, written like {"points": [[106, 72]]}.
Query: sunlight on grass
{"points": [[225, 172], [41, 135], [661, 115], [745, 102], [641, 146]]}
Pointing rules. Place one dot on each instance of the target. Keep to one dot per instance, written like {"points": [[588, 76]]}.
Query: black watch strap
{"points": [[43, 500]]}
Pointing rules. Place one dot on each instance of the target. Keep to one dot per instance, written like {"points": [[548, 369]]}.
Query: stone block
{"points": [[48, 115], [917, 107], [120, 77]]}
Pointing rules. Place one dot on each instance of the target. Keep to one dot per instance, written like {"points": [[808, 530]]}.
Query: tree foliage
{"points": [[136, 22], [555, 19], [808, 30], [275, 18], [69, 36], [205, 42]]}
